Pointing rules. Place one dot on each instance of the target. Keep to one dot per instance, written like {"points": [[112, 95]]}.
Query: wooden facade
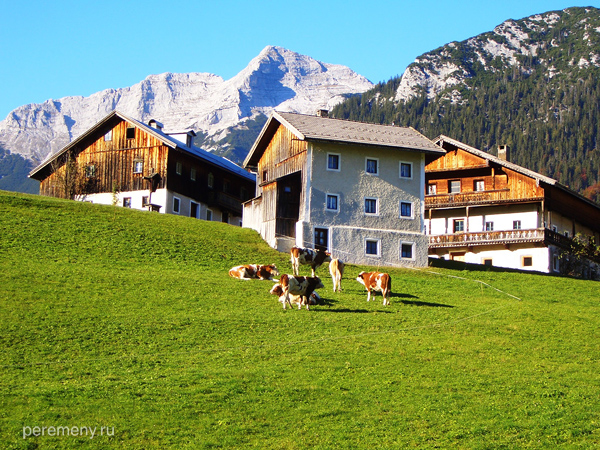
{"points": [[121, 155], [475, 201]]}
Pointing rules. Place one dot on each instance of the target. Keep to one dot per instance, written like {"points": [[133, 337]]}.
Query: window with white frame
{"points": [[176, 205], [479, 185], [489, 226], [138, 166], [454, 186], [407, 250], [333, 162], [516, 224], [405, 170], [406, 210], [371, 206], [459, 225], [431, 189], [372, 247], [372, 166], [333, 202]]}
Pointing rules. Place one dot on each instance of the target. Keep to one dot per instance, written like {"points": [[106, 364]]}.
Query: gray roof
{"points": [[167, 140], [317, 128]]}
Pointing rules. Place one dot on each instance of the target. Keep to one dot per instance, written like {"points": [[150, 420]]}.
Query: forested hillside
{"points": [[543, 100]]}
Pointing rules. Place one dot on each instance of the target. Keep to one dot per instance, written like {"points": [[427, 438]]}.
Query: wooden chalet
{"points": [[353, 188], [125, 162], [483, 209]]}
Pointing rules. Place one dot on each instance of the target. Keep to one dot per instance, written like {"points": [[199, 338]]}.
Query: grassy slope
{"points": [[124, 319]]}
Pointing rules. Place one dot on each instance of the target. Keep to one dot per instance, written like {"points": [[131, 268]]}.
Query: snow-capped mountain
{"points": [[276, 79]]}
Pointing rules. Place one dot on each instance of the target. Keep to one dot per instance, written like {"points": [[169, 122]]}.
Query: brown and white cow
{"points": [[301, 286], [248, 271], [295, 299], [376, 281], [300, 256], [336, 269]]}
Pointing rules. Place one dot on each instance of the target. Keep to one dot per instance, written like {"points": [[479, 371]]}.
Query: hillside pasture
{"points": [[128, 320]]}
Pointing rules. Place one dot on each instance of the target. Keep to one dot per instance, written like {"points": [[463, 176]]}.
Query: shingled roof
{"points": [[326, 129]]}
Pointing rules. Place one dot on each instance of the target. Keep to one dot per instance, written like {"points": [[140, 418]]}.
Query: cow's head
{"points": [[362, 277], [276, 290]]}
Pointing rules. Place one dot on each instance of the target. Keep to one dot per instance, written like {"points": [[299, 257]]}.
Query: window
{"points": [[555, 266], [371, 206], [406, 210], [555, 228], [516, 224], [145, 201], [372, 247], [406, 250], [332, 202], [432, 189], [130, 133], [264, 177], [527, 261], [459, 225], [178, 168], [193, 174], [108, 136], [211, 180], [372, 166], [333, 162], [487, 262], [405, 170], [138, 166], [176, 205], [209, 215], [489, 226], [454, 186], [479, 185], [90, 171], [566, 234], [127, 202]]}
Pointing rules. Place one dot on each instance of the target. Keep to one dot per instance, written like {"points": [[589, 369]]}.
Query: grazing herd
{"points": [[301, 291]]}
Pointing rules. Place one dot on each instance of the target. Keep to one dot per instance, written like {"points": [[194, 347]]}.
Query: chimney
{"points": [[503, 152], [155, 124], [323, 113]]}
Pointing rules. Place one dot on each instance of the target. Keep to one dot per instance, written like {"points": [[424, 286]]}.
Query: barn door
{"points": [[288, 204], [321, 238]]}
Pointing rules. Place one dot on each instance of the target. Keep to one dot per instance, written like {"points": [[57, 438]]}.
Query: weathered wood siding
{"points": [[459, 165], [285, 154], [113, 161]]}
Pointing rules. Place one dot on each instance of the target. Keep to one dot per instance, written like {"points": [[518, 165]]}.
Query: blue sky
{"points": [[54, 49]]}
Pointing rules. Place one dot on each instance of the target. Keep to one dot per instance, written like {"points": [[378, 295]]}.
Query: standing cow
{"points": [[336, 269], [376, 281], [296, 299], [302, 286], [309, 256]]}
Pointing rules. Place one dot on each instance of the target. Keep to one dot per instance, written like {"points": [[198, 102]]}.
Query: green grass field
{"points": [[128, 320]]}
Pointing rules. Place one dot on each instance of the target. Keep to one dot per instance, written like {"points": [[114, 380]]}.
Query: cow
{"points": [[301, 286], [376, 281], [309, 256], [296, 299], [248, 271], [336, 269]]}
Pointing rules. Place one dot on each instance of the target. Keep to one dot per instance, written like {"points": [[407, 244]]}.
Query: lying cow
{"points": [[296, 299], [248, 271], [309, 256], [301, 286], [336, 269], [376, 281]]}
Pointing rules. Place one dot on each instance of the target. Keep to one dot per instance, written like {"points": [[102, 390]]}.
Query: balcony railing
{"points": [[470, 198], [488, 237], [225, 201]]}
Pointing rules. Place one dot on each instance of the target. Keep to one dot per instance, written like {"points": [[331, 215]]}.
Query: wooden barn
{"points": [[353, 188], [483, 209], [124, 162]]}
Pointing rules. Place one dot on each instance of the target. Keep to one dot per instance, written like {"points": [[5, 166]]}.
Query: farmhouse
{"points": [[353, 188], [483, 209], [125, 162]]}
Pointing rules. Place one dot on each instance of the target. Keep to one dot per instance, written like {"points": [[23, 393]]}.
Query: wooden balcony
{"points": [[489, 238], [472, 198], [225, 202]]}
